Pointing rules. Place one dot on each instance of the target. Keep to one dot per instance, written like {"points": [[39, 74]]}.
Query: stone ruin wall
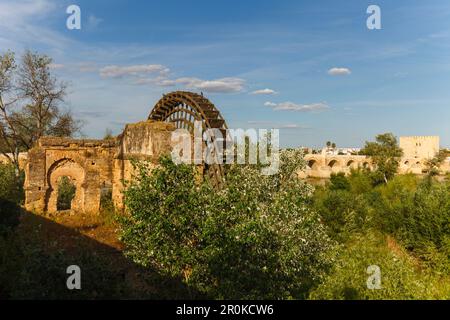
{"points": [[94, 166], [146, 140]]}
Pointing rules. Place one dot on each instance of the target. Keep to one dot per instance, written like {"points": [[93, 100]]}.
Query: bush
{"points": [[11, 196], [418, 215], [254, 239], [400, 276], [11, 186]]}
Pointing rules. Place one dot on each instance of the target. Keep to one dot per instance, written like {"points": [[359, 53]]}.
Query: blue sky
{"points": [[128, 53]]}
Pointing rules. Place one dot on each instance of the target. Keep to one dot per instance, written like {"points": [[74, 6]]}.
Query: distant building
{"points": [[421, 147], [339, 151]]}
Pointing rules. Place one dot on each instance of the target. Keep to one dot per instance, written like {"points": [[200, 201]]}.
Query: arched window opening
{"points": [[66, 193]]}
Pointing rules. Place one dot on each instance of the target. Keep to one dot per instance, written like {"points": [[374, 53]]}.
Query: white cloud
{"points": [[224, 85], [264, 91], [22, 22], [17, 12], [339, 71], [290, 106], [159, 81], [136, 70], [277, 125]]}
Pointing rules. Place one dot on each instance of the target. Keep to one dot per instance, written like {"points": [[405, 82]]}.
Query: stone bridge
{"points": [[322, 166]]}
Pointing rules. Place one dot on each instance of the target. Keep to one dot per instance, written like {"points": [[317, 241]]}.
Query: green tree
{"points": [[434, 163], [255, 238], [385, 154], [30, 98]]}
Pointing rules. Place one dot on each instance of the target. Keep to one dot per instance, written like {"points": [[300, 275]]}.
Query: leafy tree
{"points": [[338, 181], [255, 238], [29, 104], [385, 154], [434, 163]]}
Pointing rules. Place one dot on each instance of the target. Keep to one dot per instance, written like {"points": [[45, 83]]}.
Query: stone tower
{"points": [[421, 147]]}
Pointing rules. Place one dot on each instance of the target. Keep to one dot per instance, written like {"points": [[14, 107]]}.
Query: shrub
{"points": [[418, 215], [338, 181], [256, 238], [11, 196], [11, 185], [400, 276]]}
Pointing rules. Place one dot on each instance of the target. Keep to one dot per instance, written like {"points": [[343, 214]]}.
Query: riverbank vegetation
{"points": [[272, 237]]}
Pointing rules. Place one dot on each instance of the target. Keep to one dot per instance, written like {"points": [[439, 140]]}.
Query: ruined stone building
{"points": [[96, 167], [102, 167]]}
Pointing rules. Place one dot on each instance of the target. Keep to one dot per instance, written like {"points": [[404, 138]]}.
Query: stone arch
{"points": [[366, 165], [406, 163], [334, 165], [313, 164], [69, 168], [351, 163]]}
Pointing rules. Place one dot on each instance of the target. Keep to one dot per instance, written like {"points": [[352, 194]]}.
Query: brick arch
{"points": [[60, 168]]}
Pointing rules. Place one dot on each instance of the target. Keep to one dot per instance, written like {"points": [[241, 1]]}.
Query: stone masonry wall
{"points": [[94, 166]]}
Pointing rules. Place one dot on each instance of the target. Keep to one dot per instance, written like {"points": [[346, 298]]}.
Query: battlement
{"points": [[420, 137]]}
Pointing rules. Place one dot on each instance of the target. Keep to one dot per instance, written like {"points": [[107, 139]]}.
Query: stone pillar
{"points": [[36, 186]]}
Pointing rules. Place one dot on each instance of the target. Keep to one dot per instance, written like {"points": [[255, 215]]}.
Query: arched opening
{"points": [[351, 163], [66, 193], [366, 166], [312, 164], [406, 163], [332, 164], [64, 173]]}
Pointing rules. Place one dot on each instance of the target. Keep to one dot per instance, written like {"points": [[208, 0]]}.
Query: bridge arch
{"points": [[313, 164]]}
